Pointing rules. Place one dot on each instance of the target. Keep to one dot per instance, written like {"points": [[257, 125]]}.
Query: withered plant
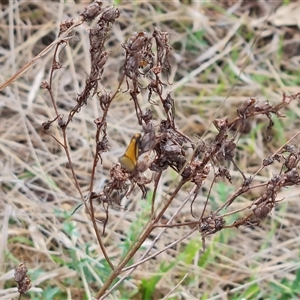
{"points": [[160, 145]]}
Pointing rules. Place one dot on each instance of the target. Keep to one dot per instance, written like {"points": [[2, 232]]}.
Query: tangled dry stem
{"points": [[143, 72], [141, 64]]}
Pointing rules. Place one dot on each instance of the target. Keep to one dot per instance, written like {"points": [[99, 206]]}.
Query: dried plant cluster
{"points": [[161, 145], [22, 279]]}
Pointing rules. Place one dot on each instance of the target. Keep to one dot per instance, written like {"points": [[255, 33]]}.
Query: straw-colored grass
{"points": [[213, 44]]}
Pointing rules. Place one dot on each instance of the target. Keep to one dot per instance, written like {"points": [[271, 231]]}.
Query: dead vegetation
{"points": [[207, 190]]}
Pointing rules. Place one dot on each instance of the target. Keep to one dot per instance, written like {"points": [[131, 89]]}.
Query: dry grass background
{"points": [[211, 43]]}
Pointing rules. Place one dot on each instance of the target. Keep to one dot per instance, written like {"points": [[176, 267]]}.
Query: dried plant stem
{"points": [[175, 287], [99, 239], [24, 69], [279, 149], [162, 139], [154, 194], [146, 232], [141, 261], [165, 226], [241, 189]]}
